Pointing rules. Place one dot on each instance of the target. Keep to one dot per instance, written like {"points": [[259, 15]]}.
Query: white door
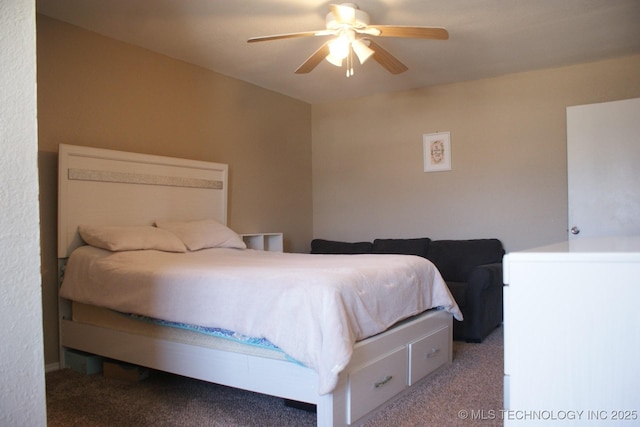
{"points": [[603, 166]]}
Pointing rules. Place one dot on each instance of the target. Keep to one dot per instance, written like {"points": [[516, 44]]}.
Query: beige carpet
{"points": [[466, 393]]}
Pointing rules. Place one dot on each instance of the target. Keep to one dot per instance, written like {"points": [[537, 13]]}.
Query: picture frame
{"points": [[436, 148]]}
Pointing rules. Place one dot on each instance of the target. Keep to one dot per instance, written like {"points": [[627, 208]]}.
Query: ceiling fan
{"points": [[353, 35]]}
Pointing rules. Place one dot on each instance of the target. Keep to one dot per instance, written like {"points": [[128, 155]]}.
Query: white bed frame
{"points": [[105, 187]]}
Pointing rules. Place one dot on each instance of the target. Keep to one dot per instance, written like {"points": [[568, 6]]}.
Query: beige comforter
{"points": [[314, 307]]}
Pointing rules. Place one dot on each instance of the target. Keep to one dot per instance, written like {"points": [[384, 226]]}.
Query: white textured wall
{"points": [[22, 395]]}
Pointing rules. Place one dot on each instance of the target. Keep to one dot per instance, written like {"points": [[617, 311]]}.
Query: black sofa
{"points": [[472, 270]]}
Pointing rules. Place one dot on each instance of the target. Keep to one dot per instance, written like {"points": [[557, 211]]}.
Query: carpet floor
{"points": [[466, 393]]}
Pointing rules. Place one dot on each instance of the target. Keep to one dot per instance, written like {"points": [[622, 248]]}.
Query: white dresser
{"points": [[572, 334]]}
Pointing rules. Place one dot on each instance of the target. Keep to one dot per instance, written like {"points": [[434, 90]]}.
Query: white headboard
{"points": [[106, 187]]}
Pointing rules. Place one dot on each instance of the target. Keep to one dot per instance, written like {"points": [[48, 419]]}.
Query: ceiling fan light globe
{"points": [[339, 48], [363, 52], [334, 60]]}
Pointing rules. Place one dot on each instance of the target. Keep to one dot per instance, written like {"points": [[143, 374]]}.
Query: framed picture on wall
{"points": [[437, 151]]}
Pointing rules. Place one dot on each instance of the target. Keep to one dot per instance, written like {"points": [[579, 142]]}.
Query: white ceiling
{"points": [[487, 38]]}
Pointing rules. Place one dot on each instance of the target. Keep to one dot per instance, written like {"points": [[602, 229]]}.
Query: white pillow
{"points": [[207, 233], [130, 238]]}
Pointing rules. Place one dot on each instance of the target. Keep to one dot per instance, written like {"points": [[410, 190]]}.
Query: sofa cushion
{"points": [[321, 246], [456, 258], [418, 246]]}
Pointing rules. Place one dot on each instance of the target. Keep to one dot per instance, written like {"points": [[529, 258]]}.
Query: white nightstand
{"points": [[272, 242]]}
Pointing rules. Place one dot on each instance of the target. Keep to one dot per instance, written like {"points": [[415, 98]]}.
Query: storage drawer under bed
{"points": [[379, 381], [374, 384], [428, 353]]}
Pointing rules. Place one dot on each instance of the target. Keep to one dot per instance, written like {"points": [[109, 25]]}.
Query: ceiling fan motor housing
{"points": [[360, 20]]}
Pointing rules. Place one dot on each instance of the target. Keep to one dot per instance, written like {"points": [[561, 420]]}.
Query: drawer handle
{"points": [[432, 353], [383, 382]]}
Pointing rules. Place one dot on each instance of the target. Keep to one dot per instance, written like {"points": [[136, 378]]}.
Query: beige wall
{"points": [[508, 141], [95, 91], [365, 155]]}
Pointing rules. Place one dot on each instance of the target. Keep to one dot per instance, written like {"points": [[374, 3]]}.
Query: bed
{"points": [[347, 375]]}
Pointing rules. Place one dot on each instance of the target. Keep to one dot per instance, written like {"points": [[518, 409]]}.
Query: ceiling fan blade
{"points": [[311, 62], [343, 14], [412, 32], [370, 31], [387, 60], [291, 35]]}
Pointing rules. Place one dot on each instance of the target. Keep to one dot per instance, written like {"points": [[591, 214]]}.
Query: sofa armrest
{"points": [[485, 276], [483, 305]]}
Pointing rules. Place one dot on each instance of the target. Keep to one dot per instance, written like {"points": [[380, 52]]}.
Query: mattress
{"points": [[313, 307]]}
